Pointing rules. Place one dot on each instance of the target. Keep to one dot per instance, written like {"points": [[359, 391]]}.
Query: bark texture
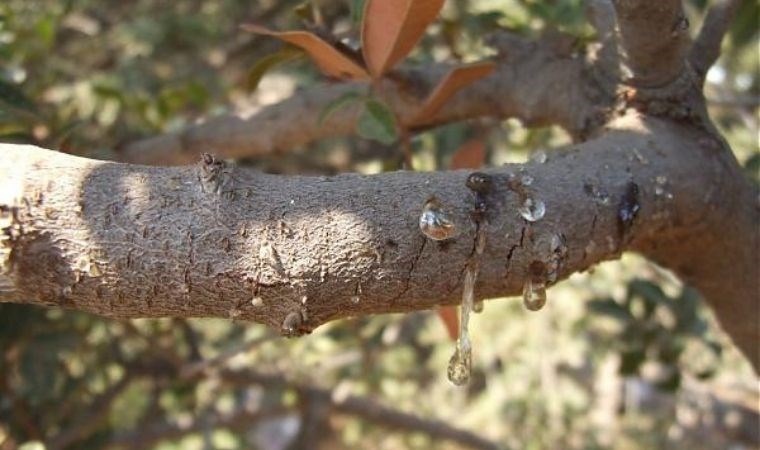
{"points": [[651, 176]]}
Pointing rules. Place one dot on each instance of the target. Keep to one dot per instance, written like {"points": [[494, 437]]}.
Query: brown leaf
{"points": [[391, 28], [471, 155], [448, 315], [330, 61], [455, 80]]}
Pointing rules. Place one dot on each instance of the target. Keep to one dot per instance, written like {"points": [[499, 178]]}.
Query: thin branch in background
{"points": [[93, 417], [193, 369], [365, 408], [601, 15], [706, 48], [147, 437]]}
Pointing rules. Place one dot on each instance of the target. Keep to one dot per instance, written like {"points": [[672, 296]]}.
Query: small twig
{"points": [[706, 48], [92, 419], [196, 368]]}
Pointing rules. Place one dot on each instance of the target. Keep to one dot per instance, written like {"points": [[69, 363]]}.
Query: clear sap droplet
{"points": [[660, 187], [532, 210], [599, 195], [629, 206], [460, 363], [355, 299], [477, 307], [435, 223], [460, 366], [534, 295], [539, 156]]}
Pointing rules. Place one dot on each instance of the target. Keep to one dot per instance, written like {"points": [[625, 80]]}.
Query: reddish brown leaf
{"points": [[331, 61], [448, 315], [455, 80], [391, 28], [471, 155]]}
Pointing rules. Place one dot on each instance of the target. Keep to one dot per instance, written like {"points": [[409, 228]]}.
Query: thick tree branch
{"points": [[534, 81], [293, 252], [706, 48]]}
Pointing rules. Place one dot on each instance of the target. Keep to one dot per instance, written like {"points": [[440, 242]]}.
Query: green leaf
{"points": [[12, 96], [357, 10], [377, 123], [339, 103], [267, 63]]}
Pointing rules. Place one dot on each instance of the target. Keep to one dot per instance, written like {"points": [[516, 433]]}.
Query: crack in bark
{"points": [[511, 252], [410, 272]]}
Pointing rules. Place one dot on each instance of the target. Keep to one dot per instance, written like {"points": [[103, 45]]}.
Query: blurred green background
{"points": [[621, 358]]}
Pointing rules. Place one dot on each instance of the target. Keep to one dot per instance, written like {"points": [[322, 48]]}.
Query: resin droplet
{"points": [[257, 301], [660, 188], [479, 182], [460, 367], [460, 363], [435, 223], [534, 295], [477, 307], [532, 210], [355, 299], [539, 156], [629, 207], [599, 195], [292, 324]]}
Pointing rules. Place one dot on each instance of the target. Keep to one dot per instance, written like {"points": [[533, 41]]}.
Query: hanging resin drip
{"points": [[534, 295], [460, 364], [534, 289]]}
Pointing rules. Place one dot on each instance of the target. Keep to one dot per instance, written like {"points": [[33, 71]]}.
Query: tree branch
{"points": [[365, 409], [706, 48], [653, 38], [148, 437], [533, 82], [292, 252]]}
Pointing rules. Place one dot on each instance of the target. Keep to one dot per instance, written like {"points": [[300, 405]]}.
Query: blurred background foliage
{"points": [[622, 358]]}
